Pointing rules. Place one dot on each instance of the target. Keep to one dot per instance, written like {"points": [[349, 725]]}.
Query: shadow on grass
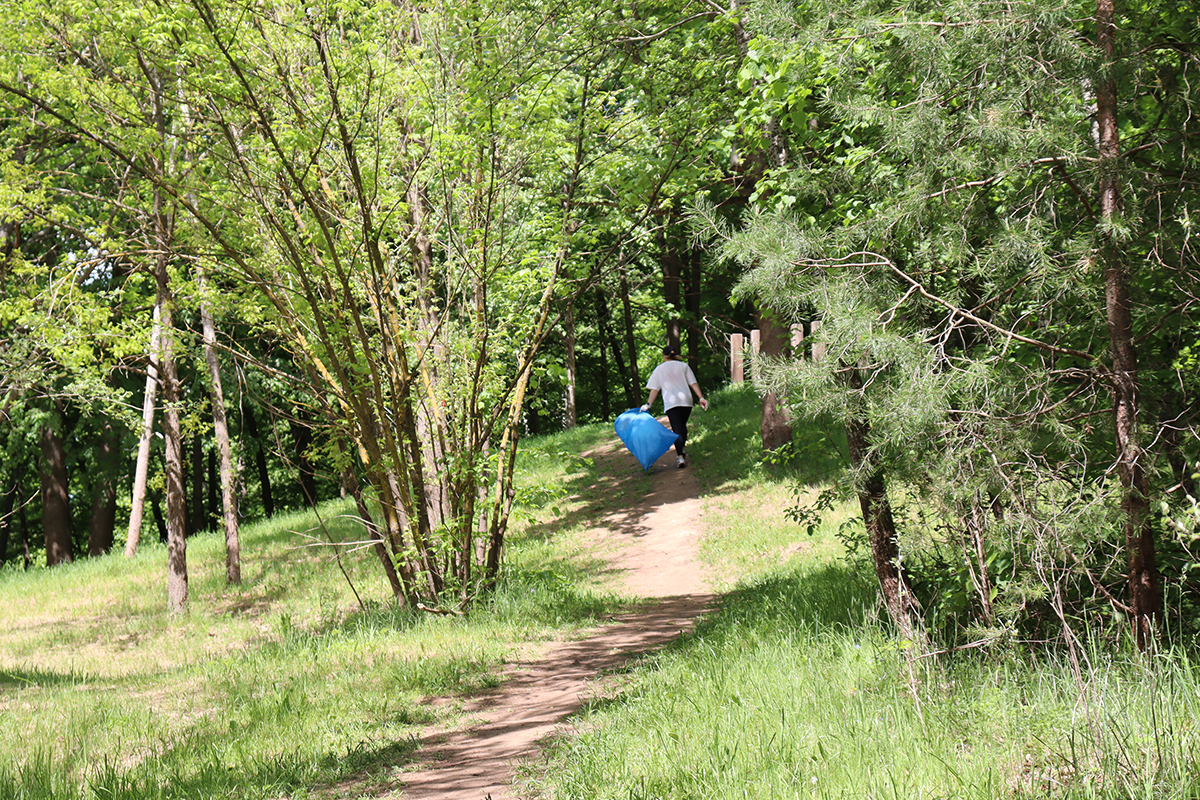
{"points": [[610, 490], [823, 598], [22, 678], [726, 443], [205, 771]]}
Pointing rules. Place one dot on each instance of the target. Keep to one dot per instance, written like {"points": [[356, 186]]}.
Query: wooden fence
{"points": [[737, 348]]}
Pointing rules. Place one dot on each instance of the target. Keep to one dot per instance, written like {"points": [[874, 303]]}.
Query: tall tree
{"points": [[56, 501], [216, 390]]}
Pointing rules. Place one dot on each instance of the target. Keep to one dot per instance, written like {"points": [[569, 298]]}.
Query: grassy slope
{"points": [[283, 686], [286, 687], [795, 690]]}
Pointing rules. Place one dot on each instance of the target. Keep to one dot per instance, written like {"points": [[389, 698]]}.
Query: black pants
{"points": [[678, 417]]}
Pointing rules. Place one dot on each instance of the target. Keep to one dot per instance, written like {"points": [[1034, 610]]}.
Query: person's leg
{"points": [[678, 417]]}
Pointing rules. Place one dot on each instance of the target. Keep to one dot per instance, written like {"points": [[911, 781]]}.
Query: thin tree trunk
{"points": [[302, 441], [260, 462], [177, 576], [23, 519], [160, 520], [630, 340], [104, 499], [691, 303], [229, 498], [604, 321], [569, 416], [211, 486], [56, 504], [351, 487], [8, 504], [1143, 582], [605, 394], [142, 469], [194, 476], [871, 487]]}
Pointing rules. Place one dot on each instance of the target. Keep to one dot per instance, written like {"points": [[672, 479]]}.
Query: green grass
{"points": [[284, 686], [287, 687], [796, 689]]}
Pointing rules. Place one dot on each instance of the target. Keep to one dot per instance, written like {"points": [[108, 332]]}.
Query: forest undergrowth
{"points": [[306, 682]]}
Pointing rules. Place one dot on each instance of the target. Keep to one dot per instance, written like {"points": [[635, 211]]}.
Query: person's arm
{"points": [[700, 394], [650, 402]]}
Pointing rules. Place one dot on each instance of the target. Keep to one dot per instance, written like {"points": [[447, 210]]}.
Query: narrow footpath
{"points": [[653, 548]]}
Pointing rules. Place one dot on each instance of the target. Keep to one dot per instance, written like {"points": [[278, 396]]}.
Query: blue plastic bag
{"points": [[645, 436]]}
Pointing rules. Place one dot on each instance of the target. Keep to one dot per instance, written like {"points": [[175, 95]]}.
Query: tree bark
{"points": [[671, 263], [302, 441], [1142, 572], [569, 416], [871, 488], [163, 221], [774, 341], [260, 462], [104, 498], [627, 313], [177, 574], [56, 503], [142, 469], [8, 504], [604, 323], [216, 391]]}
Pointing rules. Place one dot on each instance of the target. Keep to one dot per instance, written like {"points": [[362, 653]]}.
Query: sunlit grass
{"points": [[297, 679], [797, 689]]}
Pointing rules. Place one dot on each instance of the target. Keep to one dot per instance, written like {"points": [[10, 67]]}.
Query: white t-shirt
{"points": [[673, 380]]}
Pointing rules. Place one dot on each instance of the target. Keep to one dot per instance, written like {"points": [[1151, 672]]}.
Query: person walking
{"points": [[676, 381]]}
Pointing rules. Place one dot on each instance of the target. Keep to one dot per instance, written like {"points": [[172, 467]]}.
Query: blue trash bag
{"points": [[645, 436]]}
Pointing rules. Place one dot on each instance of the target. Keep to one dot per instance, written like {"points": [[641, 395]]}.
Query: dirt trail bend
{"points": [[652, 546]]}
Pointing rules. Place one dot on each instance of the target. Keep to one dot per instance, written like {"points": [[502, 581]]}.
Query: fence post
{"points": [[798, 340], [735, 358], [818, 351]]}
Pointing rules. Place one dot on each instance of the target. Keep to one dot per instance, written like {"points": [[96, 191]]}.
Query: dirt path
{"points": [[653, 549]]}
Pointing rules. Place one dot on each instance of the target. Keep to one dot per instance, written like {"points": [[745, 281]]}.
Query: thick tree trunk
{"points": [[1143, 582], [774, 341], [104, 498], [56, 504], [142, 468], [216, 391]]}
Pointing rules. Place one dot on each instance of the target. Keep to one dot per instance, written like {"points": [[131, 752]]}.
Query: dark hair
{"points": [[670, 352]]}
